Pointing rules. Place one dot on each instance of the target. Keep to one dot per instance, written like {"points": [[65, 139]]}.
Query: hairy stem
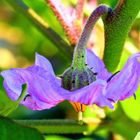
{"points": [[63, 17], [80, 9], [117, 27], [119, 5], [79, 52]]}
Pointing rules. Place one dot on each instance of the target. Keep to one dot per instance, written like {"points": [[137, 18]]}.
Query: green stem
{"points": [[117, 27], [55, 126], [79, 52], [41, 25]]}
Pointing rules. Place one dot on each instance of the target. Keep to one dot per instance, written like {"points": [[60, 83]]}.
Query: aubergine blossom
{"points": [[92, 84], [45, 90]]}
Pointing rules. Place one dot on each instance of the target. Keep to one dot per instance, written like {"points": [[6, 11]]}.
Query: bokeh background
{"points": [[19, 40]]}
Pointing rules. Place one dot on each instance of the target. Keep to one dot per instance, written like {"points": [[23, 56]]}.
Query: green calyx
{"points": [[73, 78], [79, 75]]}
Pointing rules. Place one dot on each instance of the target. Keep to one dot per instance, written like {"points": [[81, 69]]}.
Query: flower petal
{"points": [[45, 92], [97, 65], [43, 87], [41, 61], [125, 83], [92, 94]]}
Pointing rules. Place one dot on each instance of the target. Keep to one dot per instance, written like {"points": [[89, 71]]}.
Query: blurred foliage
{"points": [[8, 131], [137, 136], [19, 40]]}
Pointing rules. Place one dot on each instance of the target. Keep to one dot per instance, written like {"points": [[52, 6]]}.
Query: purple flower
{"points": [[45, 91]]}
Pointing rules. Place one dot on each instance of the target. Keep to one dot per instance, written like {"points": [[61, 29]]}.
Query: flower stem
{"points": [[79, 52]]}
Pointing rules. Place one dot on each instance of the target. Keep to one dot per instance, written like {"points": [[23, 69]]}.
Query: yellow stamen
{"points": [[80, 116]]}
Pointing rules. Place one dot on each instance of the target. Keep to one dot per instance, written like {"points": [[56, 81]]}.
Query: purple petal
{"points": [[41, 61], [97, 65], [43, 87], [125, 83], [45, 90], [44, 63], [92, 94]]}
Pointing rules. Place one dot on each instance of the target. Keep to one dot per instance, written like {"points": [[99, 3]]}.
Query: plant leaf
{"points": [[9, 130]]}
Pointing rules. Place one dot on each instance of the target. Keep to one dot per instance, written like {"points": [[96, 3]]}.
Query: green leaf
{"points": [[6, 104], [9, 130], [137, 136]]}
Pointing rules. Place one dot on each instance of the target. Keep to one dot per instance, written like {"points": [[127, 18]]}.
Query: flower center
{"points": [[74, 79]]}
